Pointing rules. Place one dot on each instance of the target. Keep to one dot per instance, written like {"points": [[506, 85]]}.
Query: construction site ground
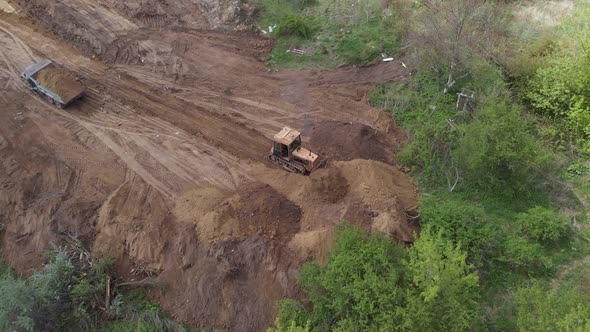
{"points": [[163, 162]]}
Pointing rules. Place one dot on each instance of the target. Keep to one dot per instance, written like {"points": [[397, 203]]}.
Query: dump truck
{"points": [[288, 153], [58, 85]]}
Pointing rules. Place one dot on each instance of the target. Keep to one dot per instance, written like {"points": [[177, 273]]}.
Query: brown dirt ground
{"points": [[337, 140], [163, 163], [60, 81]]}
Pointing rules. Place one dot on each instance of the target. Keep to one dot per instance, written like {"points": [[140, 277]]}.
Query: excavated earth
{"points": [[163, 162], [60, 82]]}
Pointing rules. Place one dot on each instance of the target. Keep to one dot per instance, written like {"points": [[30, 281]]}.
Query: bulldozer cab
{"points": [[287, 152], [285, 142]]}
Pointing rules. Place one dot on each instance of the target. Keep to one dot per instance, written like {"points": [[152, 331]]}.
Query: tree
{"points": [[38, 303], [496, 150], [443, 290], [460, 221], [449, 33]]}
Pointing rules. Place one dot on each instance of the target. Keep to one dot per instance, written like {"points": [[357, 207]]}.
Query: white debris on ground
{"points": [[270, 29]]}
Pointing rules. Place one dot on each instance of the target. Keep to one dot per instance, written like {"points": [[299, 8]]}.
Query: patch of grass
{"points": [[331, 33], [578, 280]]}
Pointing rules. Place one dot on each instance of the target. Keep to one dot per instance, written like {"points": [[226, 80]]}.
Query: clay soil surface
{"points": [[163, 163]]}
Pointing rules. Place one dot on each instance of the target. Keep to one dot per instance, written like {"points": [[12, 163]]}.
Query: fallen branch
{"points": [[451, 188]]}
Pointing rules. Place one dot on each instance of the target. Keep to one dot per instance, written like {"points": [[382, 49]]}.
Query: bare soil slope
{"points": [[163, 163]]}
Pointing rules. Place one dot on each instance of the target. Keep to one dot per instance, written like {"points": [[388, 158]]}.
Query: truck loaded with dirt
{"points": [[57, 85], [164, 163]]}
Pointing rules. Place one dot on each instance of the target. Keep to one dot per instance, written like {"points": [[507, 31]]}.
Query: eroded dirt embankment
{"points": [[163, 163]]}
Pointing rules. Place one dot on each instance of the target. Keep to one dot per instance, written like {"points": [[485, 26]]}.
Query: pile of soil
{"points": [[212, 211], [327, 185], [61, 82], [377, 183], [266, 211], [254, 210], [388, 190], [337, 140]]}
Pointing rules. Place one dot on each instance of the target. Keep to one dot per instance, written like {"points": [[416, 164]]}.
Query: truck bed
{"points": [[54, 81], [59, 81]]}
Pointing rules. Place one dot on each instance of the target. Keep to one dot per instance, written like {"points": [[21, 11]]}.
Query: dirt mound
{"points": [[265, 211], [60, 81], [213, 212], [376, 182], [347, 141], [327, 185], [387, 190], [255, 210]]}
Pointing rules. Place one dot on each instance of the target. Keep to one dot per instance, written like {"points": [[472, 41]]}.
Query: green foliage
{"points": [[542, 224], [444, 291], [68, 297], [539, 310], [552, 75], [368, 285], [335, 32], [446, 145], [578, 169], [560, 89], [292, 325], [520, 252], [358, 287], [294, 25], [460, 221], [496, 150], [16, 305], [39, 302]]}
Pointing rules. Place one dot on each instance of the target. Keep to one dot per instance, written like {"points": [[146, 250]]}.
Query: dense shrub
{"points": [[460, 221], [542, 224], [64, 296], [368, 285], [539, 310], [295, 25], [497, 151], [39, 303]]}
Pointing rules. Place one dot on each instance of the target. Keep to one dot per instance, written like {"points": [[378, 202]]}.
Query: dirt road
{"points": [[162, 163]]}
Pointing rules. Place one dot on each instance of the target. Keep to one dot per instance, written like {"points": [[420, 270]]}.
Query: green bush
{"points": [[578, 169], [444, 289], [460, 221], [542, 224], [295, 25], [520, 252], [40, 302], [496, 150], [539, 310]]}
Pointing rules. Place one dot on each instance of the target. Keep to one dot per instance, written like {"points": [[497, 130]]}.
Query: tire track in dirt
{"points": [[125, 128]]}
